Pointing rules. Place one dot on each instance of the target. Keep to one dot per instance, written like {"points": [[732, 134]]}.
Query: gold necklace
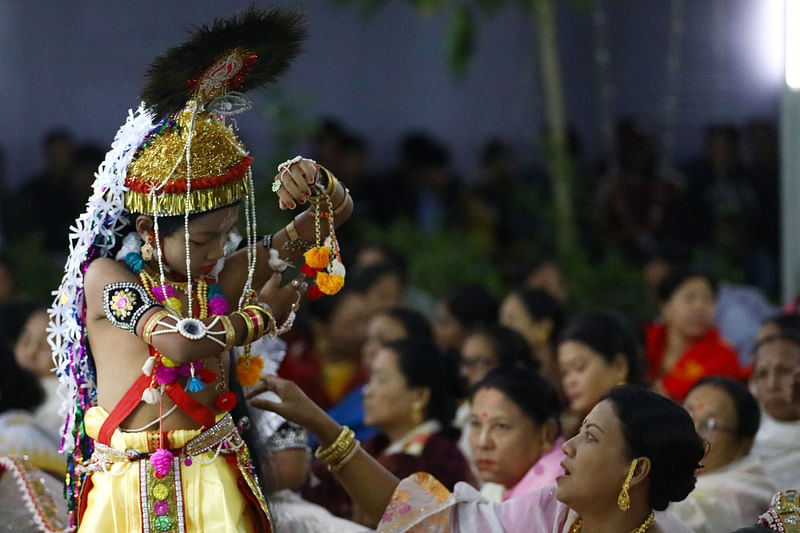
{"points": [[651, 518]]}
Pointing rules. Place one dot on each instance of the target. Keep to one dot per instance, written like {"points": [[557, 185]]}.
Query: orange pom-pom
{"points": [[329, 284], [248, 370], [318, 257]]}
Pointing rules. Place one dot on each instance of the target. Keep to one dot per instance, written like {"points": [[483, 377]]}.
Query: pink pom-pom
{"points": [[161, 461], [217, 305], [161, 292], [166, 375]]}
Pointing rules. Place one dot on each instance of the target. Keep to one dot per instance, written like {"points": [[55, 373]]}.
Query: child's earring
{"points": [[147, 248]]}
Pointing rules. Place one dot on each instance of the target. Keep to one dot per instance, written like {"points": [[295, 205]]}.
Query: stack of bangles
{"points": [[259, 322], [341, 452]]}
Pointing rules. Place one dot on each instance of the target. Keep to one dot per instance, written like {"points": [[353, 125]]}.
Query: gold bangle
{"points": [[339, 448], [335, 467], [291, 231], [343, 204], [230, 333], [332, 181], [248, 321], [272, 327], [258, 319], [150, 325]]}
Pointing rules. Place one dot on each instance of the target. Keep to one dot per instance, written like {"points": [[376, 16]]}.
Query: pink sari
{"points": [[421, 504]]}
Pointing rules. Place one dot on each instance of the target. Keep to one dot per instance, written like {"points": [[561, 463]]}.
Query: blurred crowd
{"points": [[484, 387]]}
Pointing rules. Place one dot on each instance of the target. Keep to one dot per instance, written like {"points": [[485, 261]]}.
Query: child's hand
{"points": [[293, 180]]}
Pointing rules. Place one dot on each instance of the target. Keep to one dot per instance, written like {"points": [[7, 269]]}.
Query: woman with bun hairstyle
{"points": [[596, 351], [513, 431], [636, 452]]}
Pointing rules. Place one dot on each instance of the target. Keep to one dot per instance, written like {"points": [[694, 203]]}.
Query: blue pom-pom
{"points": [[194, 385], [214, 290], [134, 261]]}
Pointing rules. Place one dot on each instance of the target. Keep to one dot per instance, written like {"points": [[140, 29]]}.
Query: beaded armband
{"points": [[124, 304]]}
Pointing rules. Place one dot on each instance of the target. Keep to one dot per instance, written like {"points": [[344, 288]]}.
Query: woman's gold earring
{"points": [[624, 499], [417, 413]]}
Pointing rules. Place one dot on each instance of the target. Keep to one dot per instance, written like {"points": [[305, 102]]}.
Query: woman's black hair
{"points": [[677, 277], [422, 365], [528, 389], [784, 321], [19, 389], [748, 414], [541, 305], [414, 323], [13, 317], [508, 345], [609, 334], [471, 306], [661, 430]]}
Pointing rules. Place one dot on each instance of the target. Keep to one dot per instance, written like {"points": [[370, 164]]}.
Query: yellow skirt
{"points": [[199, 497]]}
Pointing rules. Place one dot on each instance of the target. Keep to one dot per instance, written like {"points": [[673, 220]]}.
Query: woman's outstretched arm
{"points": [[368, 483]]}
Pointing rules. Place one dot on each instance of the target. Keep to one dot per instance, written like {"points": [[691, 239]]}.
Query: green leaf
{"points": [[583, 5], [491, 7], [427, 8], [460, 40]]}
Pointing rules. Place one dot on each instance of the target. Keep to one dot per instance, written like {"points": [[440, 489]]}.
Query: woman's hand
{"points": [[293, 181], [294, 406]]}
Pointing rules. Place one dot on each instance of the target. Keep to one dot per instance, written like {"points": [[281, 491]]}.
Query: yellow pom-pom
{"points": [[329, 284], [166, 361], [248, 370], [174, 304], [318, 257]]}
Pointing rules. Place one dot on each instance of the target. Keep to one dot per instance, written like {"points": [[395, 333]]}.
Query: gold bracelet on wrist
{"points": [[270, 326], [251, 330], [338, 448], [342, 205], [332, 181], [230, 333], [258, 322], [335, 467]]}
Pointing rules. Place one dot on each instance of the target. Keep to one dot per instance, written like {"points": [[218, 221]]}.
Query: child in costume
{"points": [[141, 331]]}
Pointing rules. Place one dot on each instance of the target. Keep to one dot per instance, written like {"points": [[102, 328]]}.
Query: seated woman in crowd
{"points": [[389, 325], [633, 439], [684, 346], [492, 346], [538, 317], [513, 431], [732, 488], [406, 401], [596, 351], [485, 348], [777, 443]]}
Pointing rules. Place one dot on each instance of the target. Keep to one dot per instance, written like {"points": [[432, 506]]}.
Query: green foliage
{"points": [[491, 7], [427, 8], [440, 260], [36, 274], [460, 41], [608, 283]]}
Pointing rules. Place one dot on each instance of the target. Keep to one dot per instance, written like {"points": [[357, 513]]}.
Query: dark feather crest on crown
{"points": [[270, 39]]}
